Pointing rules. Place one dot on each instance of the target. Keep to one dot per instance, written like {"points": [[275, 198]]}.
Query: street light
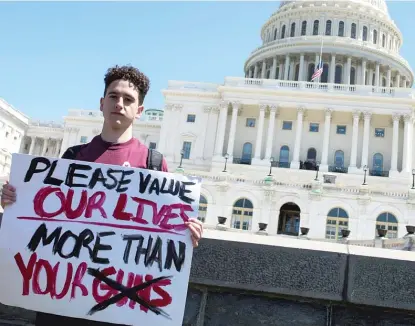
{"points": [[226, 161], [181, 158], [413, 179], [317, 169], [364, 178], [271, 160]]}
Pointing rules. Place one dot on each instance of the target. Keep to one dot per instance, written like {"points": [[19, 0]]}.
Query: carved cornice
{"points": [[328, 112], [263, 106], [356, 114], [396, 117], [301, 110], [367, 115], [207, 109], [178, 93]]}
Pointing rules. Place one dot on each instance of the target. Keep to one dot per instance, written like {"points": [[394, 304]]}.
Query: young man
{"points": [[124, 93]]}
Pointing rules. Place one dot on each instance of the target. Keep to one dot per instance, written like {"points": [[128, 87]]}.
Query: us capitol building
{"points": [[272, 146]]}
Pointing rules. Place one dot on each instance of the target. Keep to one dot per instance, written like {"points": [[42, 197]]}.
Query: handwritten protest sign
{"points": [[98, 242]]}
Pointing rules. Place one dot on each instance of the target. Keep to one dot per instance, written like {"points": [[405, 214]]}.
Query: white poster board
{"points": [[99, 242]]}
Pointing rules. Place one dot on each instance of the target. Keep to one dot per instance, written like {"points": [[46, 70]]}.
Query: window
{"points": [[314, 127], [242, 214], [364, 33], [339, 159], [275, 34], [287, 125], [202, 208], [338, 75], [375, 36], [337, 220], [187, 145], [328, 27], [315, 27], [388, 221], [283, 32], [353, 31], [152, 145], [380, 132], [341, 130], [341, 28], [284, 157], [303, 28], [250, 122], [292, 34], [191, 118], [383, 40], [84, 139]]}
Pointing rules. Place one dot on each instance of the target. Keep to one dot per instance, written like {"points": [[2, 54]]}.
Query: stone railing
{"points": [[338, 42], [84, 113], [195, 86], [50, 124], [362, 90]]}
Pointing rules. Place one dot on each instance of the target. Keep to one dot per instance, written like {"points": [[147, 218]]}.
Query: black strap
{"points": [[154, 160], [72, 152]]}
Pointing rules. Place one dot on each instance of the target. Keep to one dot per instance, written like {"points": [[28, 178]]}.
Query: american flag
{"points": [[318, 72]]}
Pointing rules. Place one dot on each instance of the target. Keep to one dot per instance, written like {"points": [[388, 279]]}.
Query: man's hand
{"points": [[8, 195], [196, 228]]}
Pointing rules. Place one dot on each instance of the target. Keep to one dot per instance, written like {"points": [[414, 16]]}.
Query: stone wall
{"points": [[245, 279]]}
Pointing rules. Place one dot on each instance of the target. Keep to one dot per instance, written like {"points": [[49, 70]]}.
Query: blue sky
{"points": [[53, 56]]}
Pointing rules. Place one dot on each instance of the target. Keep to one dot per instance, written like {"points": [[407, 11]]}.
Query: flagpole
{"points": [[321, 56]]}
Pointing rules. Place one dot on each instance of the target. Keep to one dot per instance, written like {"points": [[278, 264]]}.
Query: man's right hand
{"points": [[8, 195]]}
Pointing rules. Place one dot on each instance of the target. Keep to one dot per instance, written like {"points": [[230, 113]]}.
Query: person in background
{"points": [[122, 103]]}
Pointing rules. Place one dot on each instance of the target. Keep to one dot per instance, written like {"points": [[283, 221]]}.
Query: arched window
{"points": [[388, 221], [284, 156], [292, 33], [352, 76], [310, 71], [311, 154], [242, 214], [341, 28], [377, 165], [325, 75], [353, 31], [328, 27], [202, 208], [303, 28], [337, 220], [315, 27], [283, 32], [364, 33], [275, 34], [383, 40], [375, 36], [339, 159], [246, 153], [338, 74]]}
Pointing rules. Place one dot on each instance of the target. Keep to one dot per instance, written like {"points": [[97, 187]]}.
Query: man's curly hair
{"points": [[131, 74]]}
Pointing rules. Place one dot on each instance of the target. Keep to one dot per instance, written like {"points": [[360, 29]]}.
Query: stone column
{"points": [[295, 163], [366, 135], [363, 81], [274, 67], [256, 70], [388, 77], [264, 69], [377, 74], [258, 143], [326, 140], [220, 136], [286, 66], [395, 145], [407, 143], [32, 145], [270, 136], [301, 69], [45, 145], [348, 70], [398, 80], [355, 137], [332, 69], [232, 131]]}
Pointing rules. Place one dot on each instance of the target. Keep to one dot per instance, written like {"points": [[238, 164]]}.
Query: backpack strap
{"points": [[72, 152], [154, 160]]}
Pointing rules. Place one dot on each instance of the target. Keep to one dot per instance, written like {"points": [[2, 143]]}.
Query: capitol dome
{"points": [[358, 40]]}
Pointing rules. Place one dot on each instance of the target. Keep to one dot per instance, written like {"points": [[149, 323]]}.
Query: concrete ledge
{"points": [[309, 269], [270, 264]]}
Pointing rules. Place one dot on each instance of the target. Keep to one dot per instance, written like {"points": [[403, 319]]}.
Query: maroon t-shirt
{"points": [[132, 153]]}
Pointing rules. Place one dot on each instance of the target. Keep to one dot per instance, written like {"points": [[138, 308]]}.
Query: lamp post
{"points": [[271, 160], [181, 158], [364, 178], [317, 169], [413, 179], [226, 161]]}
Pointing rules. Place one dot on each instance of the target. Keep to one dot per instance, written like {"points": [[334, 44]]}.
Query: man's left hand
{"points": [[196, 229]]}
